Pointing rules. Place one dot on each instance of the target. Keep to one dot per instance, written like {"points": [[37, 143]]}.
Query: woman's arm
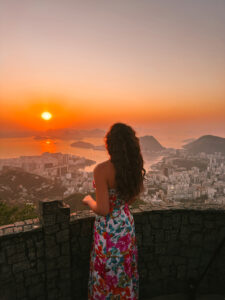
{"points": [[101, 205]]}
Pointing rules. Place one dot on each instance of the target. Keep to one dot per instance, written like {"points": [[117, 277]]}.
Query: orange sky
{"points": [[96, 62]]}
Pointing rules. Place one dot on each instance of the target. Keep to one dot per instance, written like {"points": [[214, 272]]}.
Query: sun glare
{"points": [[46, 115]]}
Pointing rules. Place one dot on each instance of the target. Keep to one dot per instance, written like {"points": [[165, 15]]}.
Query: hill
{"points": [[18, 186], [206, 143], [85, 145], [150, 144]]}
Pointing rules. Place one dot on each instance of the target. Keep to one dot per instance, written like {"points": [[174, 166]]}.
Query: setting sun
{"points": [[46, 115]]}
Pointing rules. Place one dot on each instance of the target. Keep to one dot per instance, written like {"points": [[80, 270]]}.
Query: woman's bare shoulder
{"points": [[106, 166], [102, 166]]}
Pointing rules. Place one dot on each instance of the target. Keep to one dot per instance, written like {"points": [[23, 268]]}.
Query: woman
{"points": [[118, 181]]}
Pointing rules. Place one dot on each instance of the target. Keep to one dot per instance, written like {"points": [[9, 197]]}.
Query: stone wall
{"points": [[48, 258]]}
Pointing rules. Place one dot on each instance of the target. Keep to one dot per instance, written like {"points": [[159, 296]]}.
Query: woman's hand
{"points": [[86, 200]]}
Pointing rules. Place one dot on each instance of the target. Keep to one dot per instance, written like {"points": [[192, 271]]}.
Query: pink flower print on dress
{"points": [[127, 265], [96, 237], [112, 281], [126, 209], [124, 242], [99, 266], [109, 243], [100, 297]]}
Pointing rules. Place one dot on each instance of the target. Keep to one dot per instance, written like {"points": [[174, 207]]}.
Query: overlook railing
{"points": [[48, 258]]}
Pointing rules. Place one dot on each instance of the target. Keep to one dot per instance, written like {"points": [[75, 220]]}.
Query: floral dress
{"points": [[113, 273]]}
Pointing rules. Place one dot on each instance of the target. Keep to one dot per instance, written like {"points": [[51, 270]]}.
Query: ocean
{"points": [[15, 147]]}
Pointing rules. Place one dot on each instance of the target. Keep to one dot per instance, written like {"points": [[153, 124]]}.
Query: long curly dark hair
{"points": [[125, 154]]}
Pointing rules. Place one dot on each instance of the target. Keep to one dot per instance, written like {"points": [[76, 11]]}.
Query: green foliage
{"points": [[10, 214]]}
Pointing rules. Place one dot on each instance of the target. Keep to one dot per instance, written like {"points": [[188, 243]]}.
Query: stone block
{"points": [[20, 291], [53, 294], [19, 277], [165, 270], [51, 264], [179, 260], [49, 220], [141, 218], [194, 252], [173, 248], [29, 221], [9, 230], [63, 217], [139, 238], [40, 252], [27, 281], [167, 223], [2, 257], [85, 244], [40, 266], [6, 272], [10, 250], [196, 239], [65, 248], [18, 257], [48, 206], [65, 274], [195, 219], [75, 229], [184, 233], [193, 263], [30, 272], [85, 228], [52, 252], [176, 220], [51, 229], [158, 235], [147, 240], [52, 274], [62, 236], [20, 223], [18, 229], [63, 262], [160, 248], [36, 290], [20, 266], [51, 283], [27, 227], [64, 225], [155, 220], [165, 260], [50, 241]]}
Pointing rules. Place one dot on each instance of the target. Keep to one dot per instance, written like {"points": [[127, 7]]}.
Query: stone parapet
{"points": [[48, 257]]}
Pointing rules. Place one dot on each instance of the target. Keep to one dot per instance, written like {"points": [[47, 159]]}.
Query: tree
{"points": [[11, 214]]}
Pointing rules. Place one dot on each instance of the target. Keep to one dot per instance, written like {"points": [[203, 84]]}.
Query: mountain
{"points": [[17, 185], [206, 143], [150, 144], [81, 144], [189, 140]]}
